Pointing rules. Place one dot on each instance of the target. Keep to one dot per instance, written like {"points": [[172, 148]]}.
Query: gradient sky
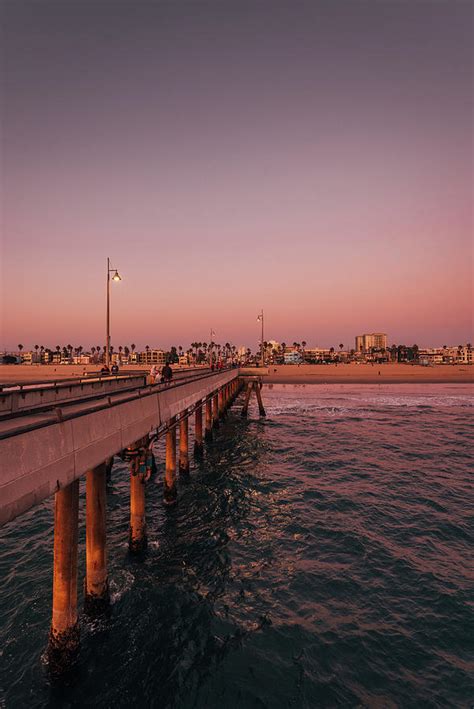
{"points": [[313, 159]]}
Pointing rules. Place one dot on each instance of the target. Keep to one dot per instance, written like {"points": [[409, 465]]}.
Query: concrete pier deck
{"points": [[41, 452]]}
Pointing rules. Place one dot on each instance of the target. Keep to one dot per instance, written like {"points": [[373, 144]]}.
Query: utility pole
{"points": [[115, 277]]}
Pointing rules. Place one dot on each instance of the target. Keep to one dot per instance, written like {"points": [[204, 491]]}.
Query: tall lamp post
{"points": [[260, 319], [115, 277]]}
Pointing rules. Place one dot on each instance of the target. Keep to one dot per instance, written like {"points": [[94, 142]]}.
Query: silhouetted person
{"points": [[166, 373]]}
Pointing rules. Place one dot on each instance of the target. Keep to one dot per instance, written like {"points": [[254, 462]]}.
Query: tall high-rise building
{"points": [[369, 341]]}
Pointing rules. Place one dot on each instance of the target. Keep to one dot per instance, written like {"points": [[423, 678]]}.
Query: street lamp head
{"points": [[116, 276]]}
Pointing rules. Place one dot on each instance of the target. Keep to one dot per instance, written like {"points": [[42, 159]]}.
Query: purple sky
{"points": [[313, 159]]}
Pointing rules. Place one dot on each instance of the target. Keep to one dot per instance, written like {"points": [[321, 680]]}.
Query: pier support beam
{"points": [[215, 409], [245, 407], [220, 397], [183, 446], [256, 387], [96, 597], [198, 431], [170, 492], [208, 433], [258, 391], [64, 633], [137, 537]]}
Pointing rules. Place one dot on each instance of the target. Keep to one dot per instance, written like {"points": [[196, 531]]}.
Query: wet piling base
{"points": [[95, 606], [198, 450], [63, 650]]}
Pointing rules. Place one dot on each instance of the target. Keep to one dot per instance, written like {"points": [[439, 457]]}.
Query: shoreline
{"points": [[302, 381], [396, 373]]}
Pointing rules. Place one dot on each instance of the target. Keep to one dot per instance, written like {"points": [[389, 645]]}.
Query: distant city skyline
{"points": [[311, 159], [185, 344]]}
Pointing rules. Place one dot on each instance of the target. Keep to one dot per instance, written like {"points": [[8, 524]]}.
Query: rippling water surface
{"points": [[318, 557]]}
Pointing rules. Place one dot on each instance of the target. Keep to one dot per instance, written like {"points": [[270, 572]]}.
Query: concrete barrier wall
{"points": [[34, 465], [18, 401]]}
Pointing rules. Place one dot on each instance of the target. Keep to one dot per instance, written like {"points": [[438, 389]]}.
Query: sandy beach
{"points": [[365, 374], [278, 374]]}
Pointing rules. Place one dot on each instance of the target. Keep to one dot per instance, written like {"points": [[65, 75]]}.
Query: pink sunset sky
{"points": [[313, 159]]}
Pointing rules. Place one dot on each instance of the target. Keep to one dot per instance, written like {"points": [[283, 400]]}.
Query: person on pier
{"points": [[166, 374]]}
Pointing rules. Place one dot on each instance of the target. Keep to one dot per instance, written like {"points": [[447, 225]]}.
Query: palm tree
{"points": [[341, 346], [36, 348], [303, 345], [120, 349]]}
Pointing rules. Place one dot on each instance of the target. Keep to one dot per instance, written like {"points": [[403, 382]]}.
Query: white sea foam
{"points": [[121, 582]]}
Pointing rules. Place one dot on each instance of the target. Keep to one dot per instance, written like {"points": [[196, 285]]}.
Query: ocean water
{"points": [[319, 557]]}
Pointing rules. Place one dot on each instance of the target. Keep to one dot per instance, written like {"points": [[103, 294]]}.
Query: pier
{"points": [[53, 434]]}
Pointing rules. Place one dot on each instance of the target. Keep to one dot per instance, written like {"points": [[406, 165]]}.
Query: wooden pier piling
{"points": [[137, 537], [208, 431], [215, 409], [183, 446], [248, 392], [170, 490], [96, 596], [64, 633], [198, 447], [258, 391], [253, 385]]}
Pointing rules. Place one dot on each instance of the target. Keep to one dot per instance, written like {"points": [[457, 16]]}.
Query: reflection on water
{"points": [[316, 557]]}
